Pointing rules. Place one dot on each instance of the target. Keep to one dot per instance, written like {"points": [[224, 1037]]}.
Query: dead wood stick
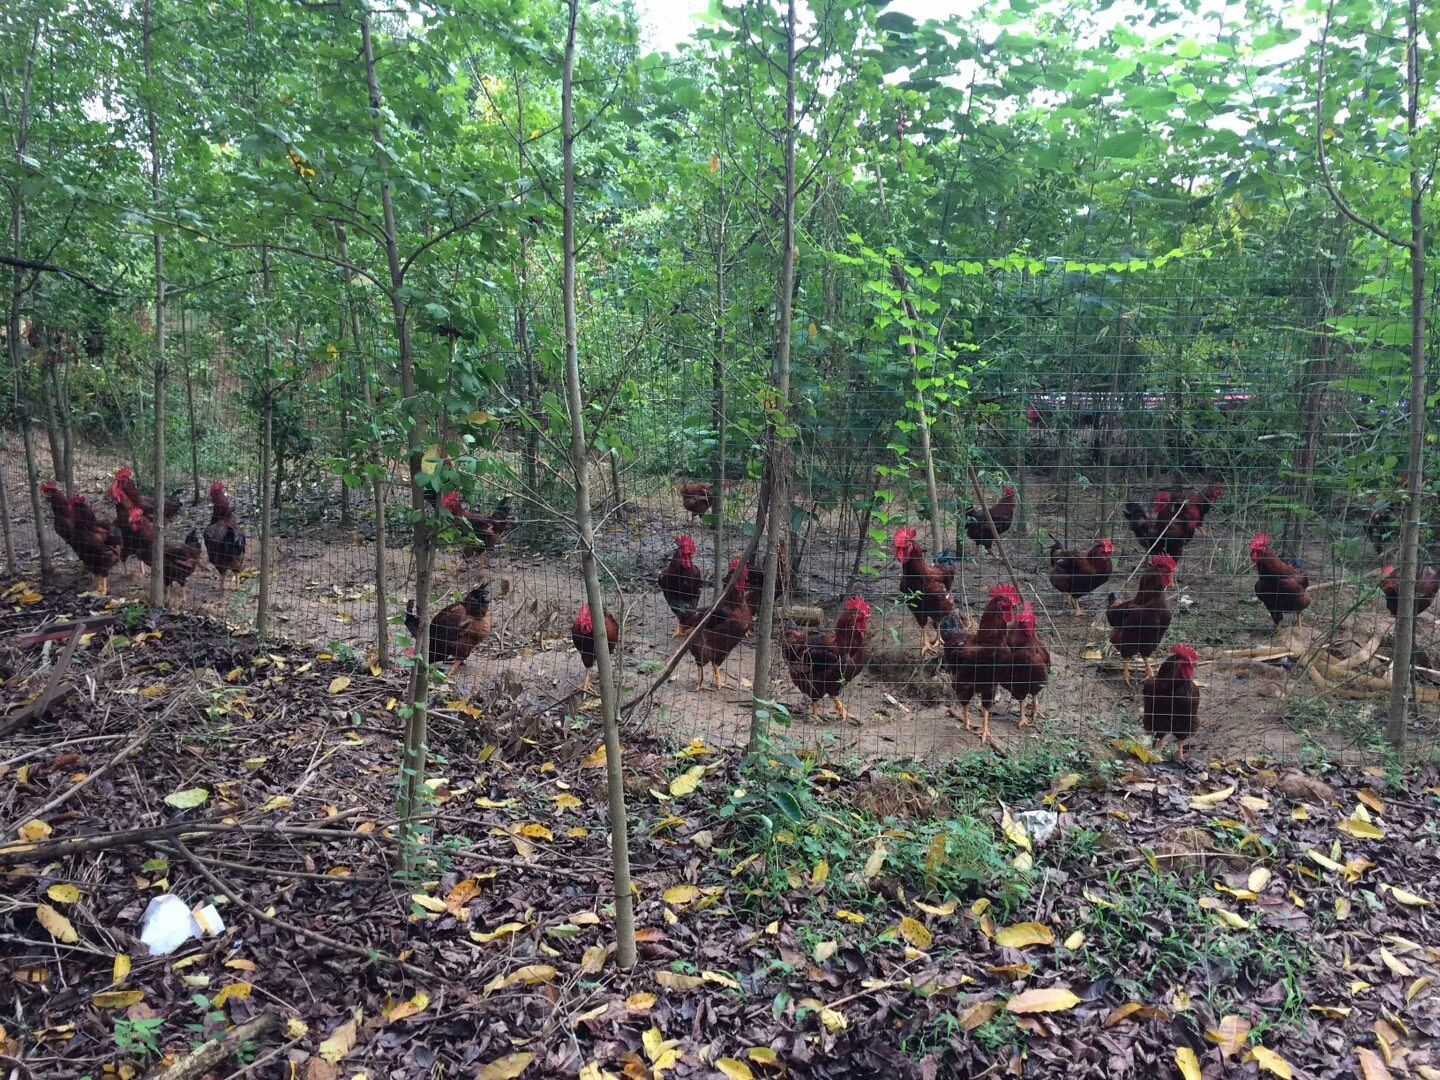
{"points": [[314, 935], [265, 1059], [213, 1051], [79, 845], [58, 630], [74, 789], [37, 709]]}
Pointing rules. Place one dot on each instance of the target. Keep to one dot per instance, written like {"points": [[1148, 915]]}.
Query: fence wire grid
{"points": [[1084, 390]]}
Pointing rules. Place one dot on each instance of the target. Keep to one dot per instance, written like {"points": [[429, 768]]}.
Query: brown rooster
{"points": [[1002, 514], [60, 514], [455, 630], [698, 497], [481, 533], [582, 633], [125, 481], [680, 583], [1079, 575], [224, 538], [1138, 625], [926, 588], [1278, 585], [823, 662], [181, 560], [723, 629], [975, 664], [1425, 589], [98, 547], [1025, 673], [1171, 700]]}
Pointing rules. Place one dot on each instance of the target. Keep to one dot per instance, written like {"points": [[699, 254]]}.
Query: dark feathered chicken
{"points": [[60, 514], [1002, 514], [1080, 575], [455, 630], [125, 481], [480, 533], [98, 547], [680, 583], [698, 497], [975, 664], [724, 628], [1138, 625], [1380, 527], [1425, 589], [181, 560], [1278, 585], [1170, 698], [1025, 673], [823, 662], [224, 538], [926, 588], [582, 634]]}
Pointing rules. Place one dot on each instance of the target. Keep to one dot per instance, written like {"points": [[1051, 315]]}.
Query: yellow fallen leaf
{"points": [[1231, 1034], [640, 1002], [278, 802], [1331, 1012], [565, 801], [63, 894], [120, 971], [1271, 1062], [187, 799], [851, 917], [763, 1055], [944, 911], [734, 1069], [978, 1014], [1056, 999], [1075, 940], [1023, 935], [406, 1009], [1372, 1067], [663, 1053], [593, 961], [686, 782], [236, 991], [1360, 829], [295, 1028], [341, 1040], [916, 932], [429, 903], [1212, 799], [506, 1068], [1014, 831], [529, 975], [683, 984], [876, 861], [58, 925], [503, 930], [117, 999], [824, 950], [834, 1020], [34, 830], [1259, 878], [680, 895], [719, 979], [1413, 990], [339, 684], [1395, 964], [820, 874], [1402, 896], [1372, 800], [1187, 1063], [535, 831], [595, 759]]}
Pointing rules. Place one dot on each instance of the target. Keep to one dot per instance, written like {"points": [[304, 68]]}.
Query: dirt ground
{"points": [[324, 594]]}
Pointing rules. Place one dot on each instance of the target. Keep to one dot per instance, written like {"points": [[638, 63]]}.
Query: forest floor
{"points": [[324, 593], [805, 916]]}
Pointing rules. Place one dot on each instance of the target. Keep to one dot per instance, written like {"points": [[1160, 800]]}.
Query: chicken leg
{"points": [[1149, 669], [1075, 603], [815, 710], [719, 679], [102, 586], [1125, 671], [842, 712], [965, 715], [984, 723], [701, 684], [453, 671]]}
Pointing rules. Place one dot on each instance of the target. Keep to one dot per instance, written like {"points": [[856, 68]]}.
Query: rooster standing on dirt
{"points": [[975, 664], [1138, 626], [926, 588], [1171, 699], [1425, 589], [1278, 585], [1028, 668], [1002, 514], [98, 547], [224, 538], [698, 497], [181, 560], [455, 630], [60, 515], [582, 634], [481, 533], [823, 662], [125, 482], [1079, 575], [680, 583], [723, 629]]}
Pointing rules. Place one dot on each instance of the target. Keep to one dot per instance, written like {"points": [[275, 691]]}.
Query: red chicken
{"points": [[125, 481], [98, 547], [1278, 585], [224, 538], [680, 583], [133, 542], [1002, 514], [59, 510], [698, 498], [481, 533], [1204, 501], [1425, 589], [1028, 668], [181, 560], [1148, 527], [1138, 626], [823, 662], [582, 633], [756, 577], [723, 629], [926, 588], [1170, 698], [456, 629], [975, 664], [1080, 575]]}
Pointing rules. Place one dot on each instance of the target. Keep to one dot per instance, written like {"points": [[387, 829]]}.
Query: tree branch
{"points": [[51, 268]]}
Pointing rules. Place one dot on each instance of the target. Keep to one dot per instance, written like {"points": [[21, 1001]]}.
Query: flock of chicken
{"points": [[102, 546]]}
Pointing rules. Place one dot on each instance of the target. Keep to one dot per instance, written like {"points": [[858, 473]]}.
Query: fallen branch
{"points": [[212, 1052], [314, 935], [36, 710]]}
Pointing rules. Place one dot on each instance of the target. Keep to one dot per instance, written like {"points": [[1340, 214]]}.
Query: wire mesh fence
{"points": [[1079, 399]]}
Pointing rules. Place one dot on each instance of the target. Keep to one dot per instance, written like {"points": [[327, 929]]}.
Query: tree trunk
{"points": [[11, 565], [416, 749], [1415, 470], [575, 405], [717, 395], [267, 510], [190, 413], [51, 390], [157, 550], [778, 464], [377, 482]]}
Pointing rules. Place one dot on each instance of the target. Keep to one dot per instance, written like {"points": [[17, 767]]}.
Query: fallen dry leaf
{"points": [[506, 1068], [58, 925], [1271, 1062], [1187, 1063], [1231, 1034], [1023, 935], [1056, 999]]}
